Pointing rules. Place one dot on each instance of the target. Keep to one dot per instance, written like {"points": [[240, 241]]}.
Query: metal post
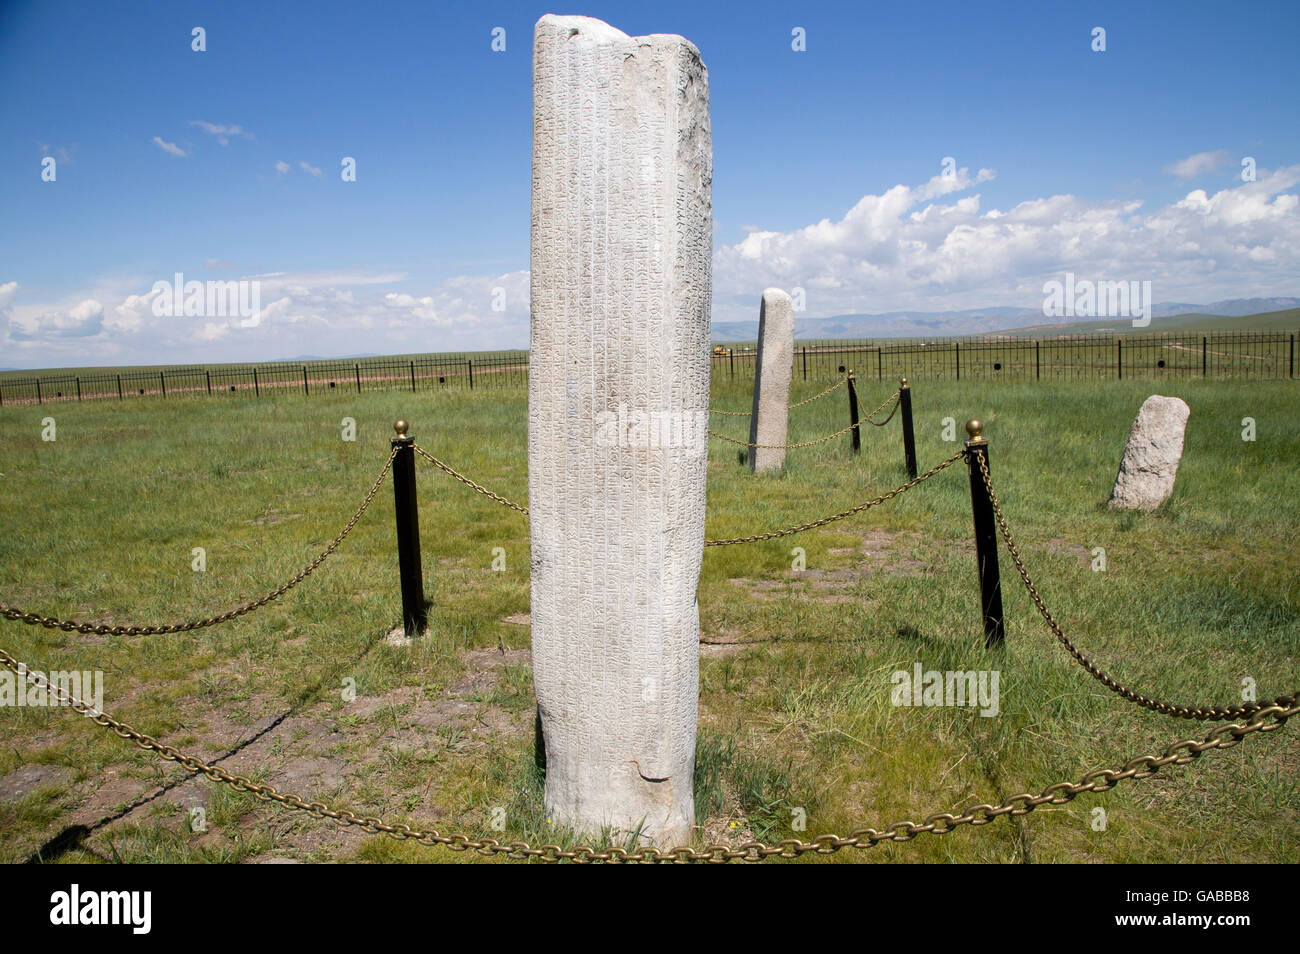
{"points": [[1119, 354], [853, 414], [208, 375], [1291, 369], [909, 438], [119, 387], [412, 377], [78, 387], [305, 389], [1205, 353], [357, 369], [880, 364], [256, 390], [956, 347], [38, 391], [163, 381], [805, 363], [469, 362], [414, 615], [986, 536], [1038, 367], [731, 360]]}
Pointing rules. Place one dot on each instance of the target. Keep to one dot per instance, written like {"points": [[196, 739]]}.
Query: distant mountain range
{"points": [[979, 321]]}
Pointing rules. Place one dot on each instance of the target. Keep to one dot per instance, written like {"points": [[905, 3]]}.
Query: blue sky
{"points": [[1123, 164]]}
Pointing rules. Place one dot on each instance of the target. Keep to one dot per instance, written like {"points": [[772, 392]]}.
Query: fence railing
{"points": [[1234, 354]]}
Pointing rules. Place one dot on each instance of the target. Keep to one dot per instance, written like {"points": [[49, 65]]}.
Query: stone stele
{"points": [[771, 410], [1151, 455], [618, 398]]}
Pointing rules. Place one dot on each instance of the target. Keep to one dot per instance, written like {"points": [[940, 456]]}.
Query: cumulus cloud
{"points": [[7, 292], [169, 147], [1200, 164], [82, 320], [927, 248], [306, 167], [223, 134]]}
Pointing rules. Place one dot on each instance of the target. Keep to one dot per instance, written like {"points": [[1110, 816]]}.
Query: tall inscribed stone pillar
{"points": [[770, 413], [618, 397]]}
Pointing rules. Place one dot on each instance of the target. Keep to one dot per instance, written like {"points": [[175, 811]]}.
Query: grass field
{"points": [[795, 694]]}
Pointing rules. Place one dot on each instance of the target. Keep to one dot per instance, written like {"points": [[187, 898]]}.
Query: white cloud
{"points": [[305, 167], [169, 147], [281, 166], [7, 292], [1200, 164], [223, 134], [82, 320]]}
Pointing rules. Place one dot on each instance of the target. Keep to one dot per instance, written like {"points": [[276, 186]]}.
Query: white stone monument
{"points": [[618, 397], [1151, 455], [770, 413]]}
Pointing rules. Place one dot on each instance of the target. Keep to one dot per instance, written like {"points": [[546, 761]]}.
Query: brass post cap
{"points": [[975, 428], [902, 382], [401, 426]]}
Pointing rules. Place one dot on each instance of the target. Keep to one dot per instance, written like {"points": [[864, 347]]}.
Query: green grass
{"points": [[796, 714]]}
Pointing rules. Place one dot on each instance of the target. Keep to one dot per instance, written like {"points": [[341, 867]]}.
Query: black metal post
{"points": [[1119, 357], [357, 369], [470, 364], [909, 438], [119, 387], [731, 360], [78, 387], [805, 363], [208, 375], [38, 391], [1038, 367], [986, 536], [305, 389], [163, 381], [853, 414], [956, 347], [257, 392], [1291, 369], [414, 615], [1205, 353], [880, 364], [412, 377]]}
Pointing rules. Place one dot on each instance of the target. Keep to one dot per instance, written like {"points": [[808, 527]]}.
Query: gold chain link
{"points": [[1210, 713], [465, 480], [820, 440], [103, 629], [837, 384], [1267, 719], [720, 543], [902, 488]]}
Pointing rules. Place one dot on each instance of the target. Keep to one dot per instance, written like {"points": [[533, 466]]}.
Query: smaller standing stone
{"points": [[1151, 455], [771, 409]]}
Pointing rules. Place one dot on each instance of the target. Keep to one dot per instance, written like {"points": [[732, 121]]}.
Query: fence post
{"points": [[256, 390], [305, 389], [731, 360], [163, 381], [1205, 352], [208, 375], [909, 437], [956, 348], [469, 362], [1291, 369], [412, 377], [805, 362], [1038, 367], [853, 414], [414, 615], [78, 387], [119, 387], [1119, 357], [986, 535], [357, 369], [38, 391]]}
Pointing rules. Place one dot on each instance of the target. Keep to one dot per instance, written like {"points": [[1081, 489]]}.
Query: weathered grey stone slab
{"points": [[618, 419], [1151, 455], [770, 414]]}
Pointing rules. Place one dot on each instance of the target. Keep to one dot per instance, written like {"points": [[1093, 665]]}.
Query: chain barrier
{"points": [[1208, 713], [1266, 719], [837, 384], [465, 480], [103, 629], [821, 440], [903, 488]]}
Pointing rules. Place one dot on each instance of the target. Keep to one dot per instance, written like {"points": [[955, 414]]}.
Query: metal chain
{"points": [[897, 398], [1268, 719], [103, 629], [465, 480], [1208, 713], [902, 488], [820, 440], [837, 384]]}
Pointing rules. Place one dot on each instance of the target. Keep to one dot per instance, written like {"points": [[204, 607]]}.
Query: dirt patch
{"points": [[21, 782]]}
